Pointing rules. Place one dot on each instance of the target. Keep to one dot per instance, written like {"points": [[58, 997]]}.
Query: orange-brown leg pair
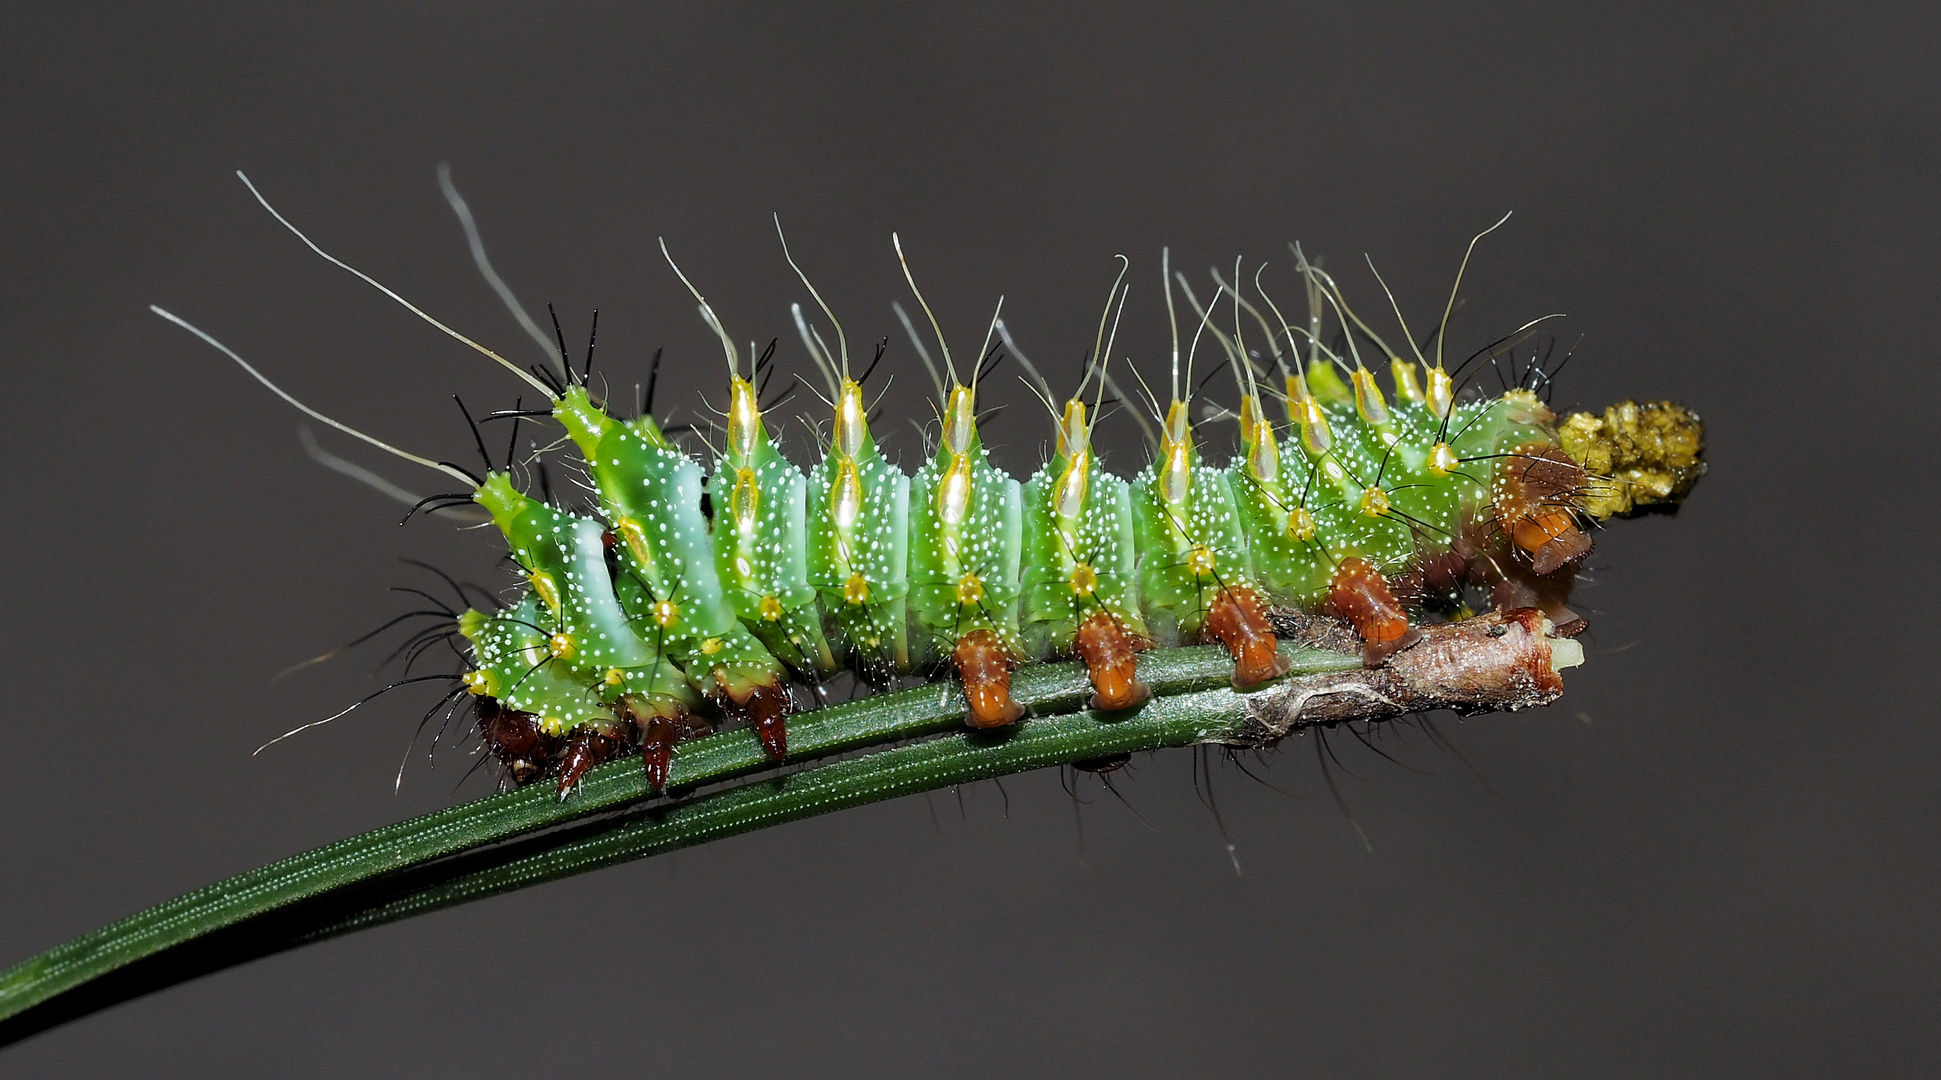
{"points": [[1237, 620], [1360, 594], [1110, 653], [985, 666]]}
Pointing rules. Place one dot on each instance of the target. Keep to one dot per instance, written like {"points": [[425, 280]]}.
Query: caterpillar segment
{"points": [[1079, 587], [517, 671], [1272, 491], [760, 549], [1279, 540], [966, 542], [1192, 554], [589, 636], [857, 548], [668, 583]]}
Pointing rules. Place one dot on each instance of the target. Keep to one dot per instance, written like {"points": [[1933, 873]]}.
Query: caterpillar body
{"points": [[683, 595]]}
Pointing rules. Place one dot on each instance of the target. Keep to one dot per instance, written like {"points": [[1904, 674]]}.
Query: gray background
{"points": [[1716, 856]]}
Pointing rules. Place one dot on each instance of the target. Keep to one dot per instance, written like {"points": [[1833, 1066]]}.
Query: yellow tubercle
{"points": [[960, 420], [953, 494], [744, 502], [635, 538], [1257, 435], [856, 590], [771, 609], [1179, 427], [1297, 396], [615, 677], [562, 646], [542, 583], [1176, 446], [970, 590], [744, 420], [1441, 394], [845, 504], [1442, 460], [1074, 437], [1368, 397], [1264, 460], [1176, 478], [1316, 435], [666, 614], [1374, 502], [711, 646], [852, 421], [1085, 580], [1069, 500], [1406, 386], [1201, 561], [1300, 524]]}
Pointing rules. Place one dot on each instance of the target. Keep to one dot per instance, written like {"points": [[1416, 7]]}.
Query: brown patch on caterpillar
{"points": [[1410, 587], [1435, 579], [1440, 573], [516, 740], [1360, 594], [1237, 620], [1536, 494], [985, 666], [1513, 582], [1110, 653]]}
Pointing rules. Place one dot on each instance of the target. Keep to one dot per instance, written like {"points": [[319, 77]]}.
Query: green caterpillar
{"points": [[683, 595]]}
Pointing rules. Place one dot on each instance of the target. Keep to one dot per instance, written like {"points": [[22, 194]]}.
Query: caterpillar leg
{"points": [[1110, 654], [1237, 621], [662, 722], [1360, 594], [657, 739], [585, 747], [765, 706], [985, 666]]}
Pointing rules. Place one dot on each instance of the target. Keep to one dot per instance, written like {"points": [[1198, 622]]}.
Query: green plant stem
{"points": [[962, 758], [874, 721]]}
